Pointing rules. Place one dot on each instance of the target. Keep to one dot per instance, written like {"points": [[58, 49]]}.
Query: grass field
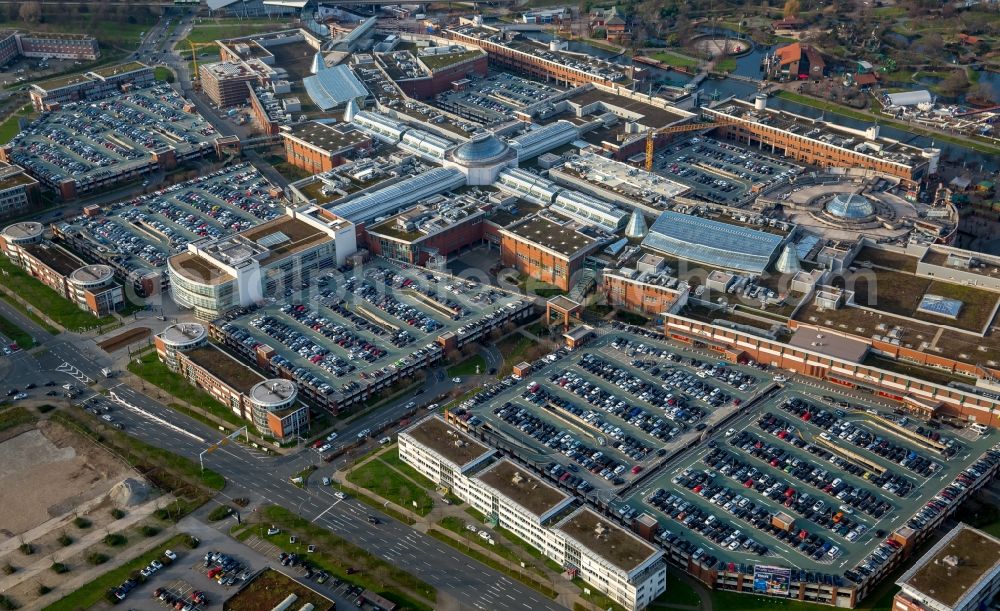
{"points": [[468, 367], [92, 594], [162, 73], [46, 300], [392, 485], [15, 334], [14, 416], [675, 59], [678, 593], [10, 127], [156, 373]]}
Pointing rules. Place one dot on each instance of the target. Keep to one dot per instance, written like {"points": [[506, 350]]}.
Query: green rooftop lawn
{"points": [[44, 299], [156, 373]]}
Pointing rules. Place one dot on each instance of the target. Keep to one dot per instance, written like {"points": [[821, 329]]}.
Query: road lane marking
{"points": [[324, 512], [154, 417]]}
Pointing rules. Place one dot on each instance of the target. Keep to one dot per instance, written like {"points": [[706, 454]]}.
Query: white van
{"points": [[979, 428]]}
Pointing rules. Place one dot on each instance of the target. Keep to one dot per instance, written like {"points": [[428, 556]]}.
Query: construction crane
{"points": [[677, 129], [195, 80]]}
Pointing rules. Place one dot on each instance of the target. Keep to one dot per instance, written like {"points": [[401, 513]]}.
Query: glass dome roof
{"points": [[481, 147], [850, 206]]}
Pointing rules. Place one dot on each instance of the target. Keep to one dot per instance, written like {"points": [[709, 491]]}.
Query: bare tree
{"points": [[30, 12], [791, 9]]}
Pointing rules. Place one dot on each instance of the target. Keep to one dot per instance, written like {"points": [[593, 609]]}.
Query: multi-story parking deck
{"points": [[365, 328], [836, 489], [136, 236], [84, 146]]}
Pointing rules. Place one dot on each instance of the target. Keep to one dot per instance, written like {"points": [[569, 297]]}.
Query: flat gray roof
{"points": [[828, 343]]}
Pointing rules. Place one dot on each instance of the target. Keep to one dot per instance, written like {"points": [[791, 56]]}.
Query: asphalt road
{"points": [[461, 581], [252, 473]]}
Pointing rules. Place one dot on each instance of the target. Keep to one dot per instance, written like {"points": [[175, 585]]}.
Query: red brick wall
{"points": [[787, 357], [441, 79], [637, 297], [535, 262]]}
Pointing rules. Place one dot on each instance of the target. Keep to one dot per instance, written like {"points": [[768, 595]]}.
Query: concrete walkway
{"points": [[64, 584]]}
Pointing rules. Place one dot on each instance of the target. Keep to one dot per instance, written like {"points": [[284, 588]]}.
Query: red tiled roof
{"points": [[865, 79], [789, 53]]}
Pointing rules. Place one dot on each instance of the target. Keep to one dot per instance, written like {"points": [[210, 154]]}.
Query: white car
{"points": [[340, 495], [730, 432], [170, 554], [331, 436], [457, 380]]}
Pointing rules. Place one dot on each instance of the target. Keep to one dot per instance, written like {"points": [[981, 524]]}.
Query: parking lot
{"points": [[492, 100], [722, 172], [597, 418], [362, 327], [809, 481], [96, 141], [144, 231]]}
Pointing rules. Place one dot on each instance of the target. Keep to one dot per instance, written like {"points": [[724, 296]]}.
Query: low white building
{"points": [[606, 556], [620, 564]]}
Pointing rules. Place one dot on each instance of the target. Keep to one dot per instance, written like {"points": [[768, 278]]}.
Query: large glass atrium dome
{"points": [[850, 206]]}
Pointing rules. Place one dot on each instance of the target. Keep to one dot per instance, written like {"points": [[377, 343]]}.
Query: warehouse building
{"points": [[548, 248]]}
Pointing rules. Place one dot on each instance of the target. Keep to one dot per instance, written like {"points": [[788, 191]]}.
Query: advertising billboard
{"points": [[771, 580]]}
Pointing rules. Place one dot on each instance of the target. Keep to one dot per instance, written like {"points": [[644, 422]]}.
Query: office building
{"points": [[271, 406], [319, 147], [961, 572], [92, 288], [548, 248], [614, 561], [214, 276]]}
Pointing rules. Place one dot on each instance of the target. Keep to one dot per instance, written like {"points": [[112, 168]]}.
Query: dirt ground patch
{"points": [[269, 589], [117, 342], [49, 471]]}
